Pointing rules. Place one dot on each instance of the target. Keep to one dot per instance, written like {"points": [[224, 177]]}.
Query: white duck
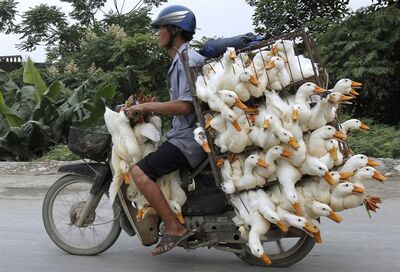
{"points": [[355, 162], [315, 210], [329, 159], [345, 86], [260, 60], [272, 77], [242, 89], [228, 186], [260, 201], [325, 110], [340, 192], [283, 134], [291, 121], [203, 89], [288, 176], [124, 139], [261, 134], [145, 132], [121, 173], [318, 188], [282, 72], [302, 94], [361, 175], [298, 154], [316, 143], [250, 179], [275, 104], [258, 226], [178, 195], [227, 79], [352, 125], [314, 167], [271, 156], [295, 221], [201, 138], [233, 140]]}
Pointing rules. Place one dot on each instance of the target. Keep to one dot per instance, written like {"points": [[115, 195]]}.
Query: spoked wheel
{"points": [[282, 252], [62, 206]]}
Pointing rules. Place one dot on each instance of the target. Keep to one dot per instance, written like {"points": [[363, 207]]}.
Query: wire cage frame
{"points": [[303, 44]]}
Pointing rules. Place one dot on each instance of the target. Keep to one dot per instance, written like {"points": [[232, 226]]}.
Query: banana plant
{"points": [[40, 116]]}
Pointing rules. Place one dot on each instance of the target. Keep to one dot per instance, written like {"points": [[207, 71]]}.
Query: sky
{"points": [[214, 18]]}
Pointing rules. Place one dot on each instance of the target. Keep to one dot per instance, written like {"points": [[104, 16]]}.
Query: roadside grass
{"points": [[59, 153]]}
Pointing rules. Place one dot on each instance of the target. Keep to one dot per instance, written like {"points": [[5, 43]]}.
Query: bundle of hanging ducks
{"points": [[133, 139], [284, 159]]}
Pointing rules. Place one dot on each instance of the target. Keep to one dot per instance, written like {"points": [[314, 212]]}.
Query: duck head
{"points": [[360, 160], [283, 46], [274, 218], [332, 146], [296, 110], [324, 210], [308, 89], [346, 188], [201, 139], [355, 124], [300, 223], [176, 208], [336, 98], [230, 98], [327, 132], [229, 55], [124, 167], [275, 62], [254, 160], [345, 85], [368, 172], [287, 137], [258, 251]]}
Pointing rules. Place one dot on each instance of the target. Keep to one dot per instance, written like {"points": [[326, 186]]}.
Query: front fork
{"points": [[101, 181]]}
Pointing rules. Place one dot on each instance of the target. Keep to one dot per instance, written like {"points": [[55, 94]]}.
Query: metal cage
{"points": [[304, 45]]}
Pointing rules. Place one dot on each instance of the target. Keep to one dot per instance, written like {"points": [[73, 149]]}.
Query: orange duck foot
{"points": [[371, 203]]}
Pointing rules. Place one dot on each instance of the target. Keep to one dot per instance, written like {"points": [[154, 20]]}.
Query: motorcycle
{"points": [[79, 219]]}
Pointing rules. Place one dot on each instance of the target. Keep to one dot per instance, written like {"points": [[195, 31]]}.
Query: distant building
{"points": [[10, 63]]}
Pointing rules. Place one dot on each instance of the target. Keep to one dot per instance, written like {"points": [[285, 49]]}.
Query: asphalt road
{"points": [[357, 244]]}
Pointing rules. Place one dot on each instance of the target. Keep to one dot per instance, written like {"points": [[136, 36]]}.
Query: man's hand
{"points": [[134, 110]]}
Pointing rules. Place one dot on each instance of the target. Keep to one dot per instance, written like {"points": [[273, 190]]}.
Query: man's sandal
{"points": [[168, 242]]}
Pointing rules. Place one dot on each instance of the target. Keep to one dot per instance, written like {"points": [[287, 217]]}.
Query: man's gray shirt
{"points": [[181, 134]]}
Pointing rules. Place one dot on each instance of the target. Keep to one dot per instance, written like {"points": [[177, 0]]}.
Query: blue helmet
{"points": [[176, 15]]}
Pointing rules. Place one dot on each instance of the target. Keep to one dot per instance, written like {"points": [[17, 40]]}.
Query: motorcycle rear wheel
{"points": [[63, 202], [289, 252]]}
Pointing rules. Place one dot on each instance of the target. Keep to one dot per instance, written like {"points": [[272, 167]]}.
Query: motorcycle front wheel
{"points": [[62, 206]]}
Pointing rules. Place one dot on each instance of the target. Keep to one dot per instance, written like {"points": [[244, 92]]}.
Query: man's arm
{"points": [[171, 108]]}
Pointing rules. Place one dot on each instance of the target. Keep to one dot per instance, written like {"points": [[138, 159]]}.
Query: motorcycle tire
{"points": [[58, 220], [284, 259]]}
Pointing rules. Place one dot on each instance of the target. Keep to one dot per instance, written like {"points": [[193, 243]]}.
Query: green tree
{"points": [[365, 48], [272, 18], [8, 11], [48, 25]]}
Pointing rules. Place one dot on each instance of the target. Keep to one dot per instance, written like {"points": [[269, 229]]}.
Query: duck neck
{"points": [[248, 168]]}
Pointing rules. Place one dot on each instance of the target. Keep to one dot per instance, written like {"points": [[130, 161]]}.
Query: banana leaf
{"points": [[47, 110], [24, 102], [12, 118], [32, 76]]}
